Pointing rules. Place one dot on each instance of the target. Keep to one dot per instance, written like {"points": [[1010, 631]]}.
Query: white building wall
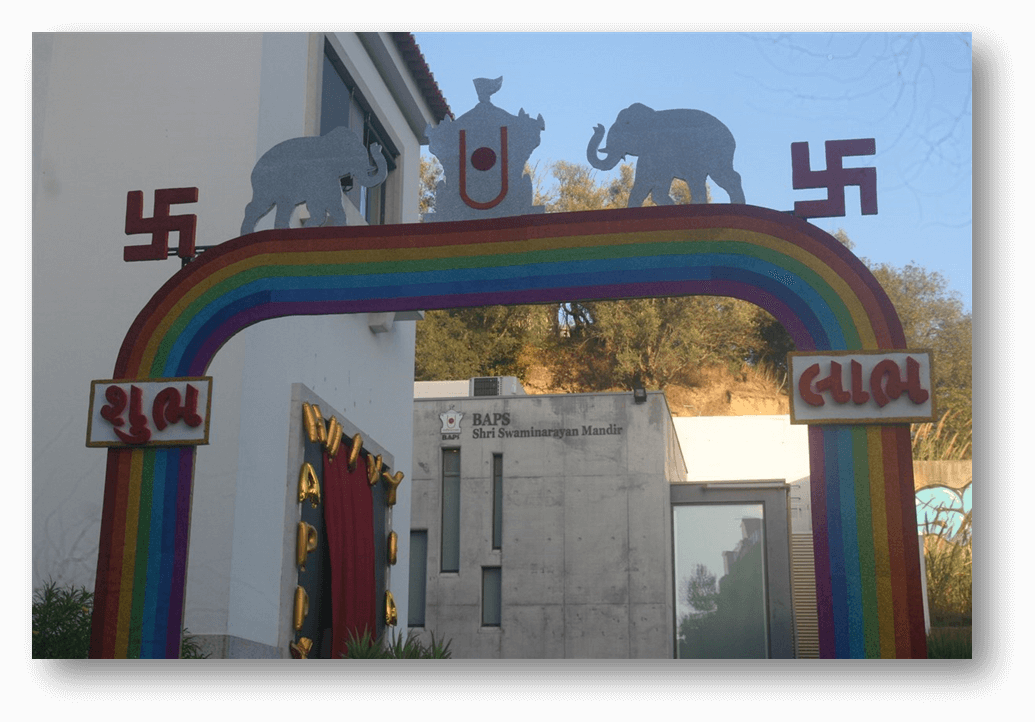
{"points": [[114, 113]]}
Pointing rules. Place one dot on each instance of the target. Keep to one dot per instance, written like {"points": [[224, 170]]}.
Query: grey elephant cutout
{"points": [[690, 145], [310, 170]]}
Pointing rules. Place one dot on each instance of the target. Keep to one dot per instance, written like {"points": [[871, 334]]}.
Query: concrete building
{"points": [[552, 526], [541, 522], [114, 113]]}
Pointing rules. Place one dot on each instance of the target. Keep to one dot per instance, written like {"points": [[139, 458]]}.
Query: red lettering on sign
{"points": [[805, 386], [138, 431], [139, 412], [859, 396], [832, 383], [887, 385], [168, 408], [117, 399]]}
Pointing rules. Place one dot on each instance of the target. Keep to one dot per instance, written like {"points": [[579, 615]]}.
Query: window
{"points": [[497, 501], [418, 577], [492, 592], [342, 104], [451, 510]]}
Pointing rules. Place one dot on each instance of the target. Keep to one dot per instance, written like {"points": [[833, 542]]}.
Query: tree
{"points": [[933, 318], [650, 341], [466, 342], [430, 175], [589, 346], [486, 341]]}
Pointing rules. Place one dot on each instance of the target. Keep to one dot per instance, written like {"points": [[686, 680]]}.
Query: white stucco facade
{"points": [[119, 112]]}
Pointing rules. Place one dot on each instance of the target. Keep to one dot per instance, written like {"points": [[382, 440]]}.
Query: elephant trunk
{"points": [[376, 173], [609, 161]]}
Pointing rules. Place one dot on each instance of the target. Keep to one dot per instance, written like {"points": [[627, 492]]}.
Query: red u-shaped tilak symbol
{"points": [[503, 173], [160, 224], [834, 178]]}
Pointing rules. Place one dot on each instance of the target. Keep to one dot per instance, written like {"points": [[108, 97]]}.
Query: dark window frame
{"points": [[371, 202]]}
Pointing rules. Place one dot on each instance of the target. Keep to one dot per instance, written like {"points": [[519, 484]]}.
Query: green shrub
{"points": [[949, 565], [950, 643], [61, 622], [366, 647]]}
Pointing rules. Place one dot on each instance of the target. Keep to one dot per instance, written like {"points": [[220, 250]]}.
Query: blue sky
{"points": [[911, 92]]}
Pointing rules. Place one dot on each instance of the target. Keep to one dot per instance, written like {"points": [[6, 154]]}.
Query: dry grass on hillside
{"points": [[710, 391]]}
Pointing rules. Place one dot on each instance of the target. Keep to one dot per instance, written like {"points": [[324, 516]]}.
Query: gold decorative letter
{"points": [[333, 442], [391, 614], [357, 444], [308, 485], [305, 542], [302, 649], [392, 482], [373, 468], [301, 607], [314, 427], [393, 548]]}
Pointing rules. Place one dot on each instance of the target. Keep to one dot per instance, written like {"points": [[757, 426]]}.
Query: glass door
{"points": [[731, 573]]}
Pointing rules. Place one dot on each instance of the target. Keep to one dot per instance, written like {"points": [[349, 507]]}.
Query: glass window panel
{"points": [[450, 510], [418, 577], [497, 501], [720, 579], [492, 602]]}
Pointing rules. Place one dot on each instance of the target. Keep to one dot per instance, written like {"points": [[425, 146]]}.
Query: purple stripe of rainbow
{"points": [[867, 588]]}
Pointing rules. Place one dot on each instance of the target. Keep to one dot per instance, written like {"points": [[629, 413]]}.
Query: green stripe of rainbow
{"points": [[867, 568]]}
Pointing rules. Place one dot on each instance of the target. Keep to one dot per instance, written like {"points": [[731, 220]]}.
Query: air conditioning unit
{"points": [[496, 386]]}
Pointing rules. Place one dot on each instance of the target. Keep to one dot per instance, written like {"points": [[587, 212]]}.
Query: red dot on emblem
{"points": [[483, 158]]}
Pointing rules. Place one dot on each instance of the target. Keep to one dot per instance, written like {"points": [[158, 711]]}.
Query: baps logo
{"points": [[451, 421]]}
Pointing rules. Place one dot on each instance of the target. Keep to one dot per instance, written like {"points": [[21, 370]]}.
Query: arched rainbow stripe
{"points": [[867, 563]]}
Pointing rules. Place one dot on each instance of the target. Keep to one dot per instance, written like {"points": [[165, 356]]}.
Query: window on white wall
{"points": [[342, 104]]}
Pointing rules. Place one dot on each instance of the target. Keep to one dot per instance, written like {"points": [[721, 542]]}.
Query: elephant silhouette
{"points": [[309, 170], [687, 144]]}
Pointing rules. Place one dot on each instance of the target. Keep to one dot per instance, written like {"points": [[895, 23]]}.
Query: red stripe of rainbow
{"points": [[867, 565]]}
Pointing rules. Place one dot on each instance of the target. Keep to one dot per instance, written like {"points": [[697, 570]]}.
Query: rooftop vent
{"points": [[496, 386]]}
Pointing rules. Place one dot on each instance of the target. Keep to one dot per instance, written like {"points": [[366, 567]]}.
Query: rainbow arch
{"points": [[868, 587]]}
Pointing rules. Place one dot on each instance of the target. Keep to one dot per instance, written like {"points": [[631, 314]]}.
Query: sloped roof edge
{"points": [[406, 43]]}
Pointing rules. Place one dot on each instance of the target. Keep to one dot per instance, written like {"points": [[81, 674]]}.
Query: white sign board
{"points": [[153, 412], [861, 387]]}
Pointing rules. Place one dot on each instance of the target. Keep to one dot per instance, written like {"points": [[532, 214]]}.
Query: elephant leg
{"points": [[729, 180], [252, 213], [662, 193], [283, 217], [655, 179], [639, 192], [317, 215], [698, 188], [337, 213], [327, 202]]}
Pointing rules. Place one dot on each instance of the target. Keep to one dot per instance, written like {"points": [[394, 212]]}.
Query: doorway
{"points": [[731, 563]]}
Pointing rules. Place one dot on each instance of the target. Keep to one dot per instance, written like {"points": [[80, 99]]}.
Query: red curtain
{"points": [[349, 516]]}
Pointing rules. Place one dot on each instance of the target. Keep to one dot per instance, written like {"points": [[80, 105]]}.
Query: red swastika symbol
{"points": [[834, 178], [160, 224]]}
